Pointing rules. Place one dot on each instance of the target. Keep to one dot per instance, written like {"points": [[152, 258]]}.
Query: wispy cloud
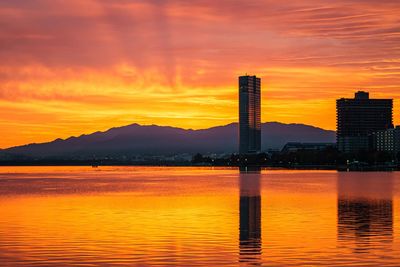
{"points": [[82, 66]]}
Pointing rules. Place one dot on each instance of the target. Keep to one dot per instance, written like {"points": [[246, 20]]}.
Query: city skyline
{"points": [[249, 132], [69, 68]]}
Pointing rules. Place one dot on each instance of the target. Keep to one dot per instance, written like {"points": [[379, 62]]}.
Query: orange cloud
{"points": [[68, 67]]}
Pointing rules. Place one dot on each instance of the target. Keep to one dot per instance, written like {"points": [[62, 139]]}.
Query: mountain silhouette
{"points": [[138, 139]]}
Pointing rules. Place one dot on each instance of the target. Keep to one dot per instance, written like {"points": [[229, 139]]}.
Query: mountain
{"points": [[138, 139]]}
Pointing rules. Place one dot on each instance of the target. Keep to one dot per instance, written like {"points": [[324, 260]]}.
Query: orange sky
{"points": [[74, 67]]}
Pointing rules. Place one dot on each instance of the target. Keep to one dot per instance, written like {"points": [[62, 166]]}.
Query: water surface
{"points": [[138, 216]]}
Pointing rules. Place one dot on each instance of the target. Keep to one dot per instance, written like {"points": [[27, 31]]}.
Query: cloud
{"points": [[99, 62]]}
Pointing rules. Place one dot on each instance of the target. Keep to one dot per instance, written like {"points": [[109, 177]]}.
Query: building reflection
{"points": [[365, 209], [250, 216]]}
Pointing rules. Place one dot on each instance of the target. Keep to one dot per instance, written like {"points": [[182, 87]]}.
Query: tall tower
{"points": [[249, 114]]}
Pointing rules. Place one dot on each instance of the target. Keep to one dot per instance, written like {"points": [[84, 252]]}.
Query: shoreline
{"points": [[141, 164]]}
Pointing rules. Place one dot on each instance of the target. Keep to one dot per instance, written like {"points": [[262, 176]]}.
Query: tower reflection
{"points": [[365, 209], [250, 216]]}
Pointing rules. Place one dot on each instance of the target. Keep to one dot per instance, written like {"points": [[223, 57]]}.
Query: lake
{"points": [[139, 216]]}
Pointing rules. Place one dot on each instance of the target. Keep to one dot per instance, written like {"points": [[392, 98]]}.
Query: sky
{"points": [[72, 67]]}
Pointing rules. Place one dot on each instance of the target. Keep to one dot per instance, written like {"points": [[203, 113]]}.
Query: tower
{"points": [[249, 114]]}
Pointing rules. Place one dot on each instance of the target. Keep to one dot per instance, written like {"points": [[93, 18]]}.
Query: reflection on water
{"points": [[147, 216], [365, 209], [250, 216]]}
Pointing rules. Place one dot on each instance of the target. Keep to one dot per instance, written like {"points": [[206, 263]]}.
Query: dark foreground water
{"points": [[138, 216]]}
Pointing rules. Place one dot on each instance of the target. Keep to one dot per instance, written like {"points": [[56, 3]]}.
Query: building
{"points": [[358, 118], [296, 146], [387, 140], [249, 114]]}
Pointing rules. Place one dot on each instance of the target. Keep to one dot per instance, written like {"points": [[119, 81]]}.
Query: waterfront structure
{"points": [[387, 140], [296, 146], [358, 118], [249, 114]]}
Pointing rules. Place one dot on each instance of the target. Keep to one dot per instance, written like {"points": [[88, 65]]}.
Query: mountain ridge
{"points": [[136, 139]]}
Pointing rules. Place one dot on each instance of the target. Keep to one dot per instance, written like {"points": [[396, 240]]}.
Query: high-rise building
{"points": [[249, 114], [358, 118]]}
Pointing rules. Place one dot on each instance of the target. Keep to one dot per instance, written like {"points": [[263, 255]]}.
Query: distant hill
{"points": [[138, 139]]}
